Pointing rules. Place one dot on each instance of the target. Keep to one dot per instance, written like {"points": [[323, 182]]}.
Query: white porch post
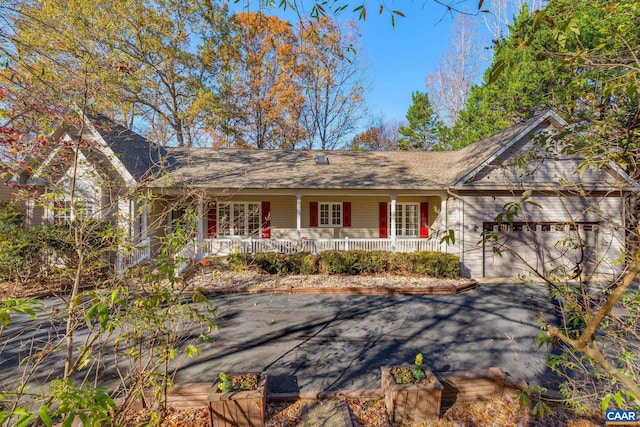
{"points": [[200, 227], [393, 223], [143, 221], [299, 216], [443, 221]]}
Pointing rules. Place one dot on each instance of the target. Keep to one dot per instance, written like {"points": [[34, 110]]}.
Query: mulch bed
{"points": [[226, 281], [372, 413]]}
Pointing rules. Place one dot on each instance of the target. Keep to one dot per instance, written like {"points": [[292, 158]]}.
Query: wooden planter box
{"points": [[181, 396], [469, 386], [408, 403], [240, 408]]}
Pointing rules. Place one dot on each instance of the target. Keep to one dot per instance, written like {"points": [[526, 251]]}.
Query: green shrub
{"points": [[350, 262], [272, 262], [239, 261], [304, 263], [31, 254], [401, 263], [374, 262], [435, 264], [10, 214], [339, 262]]}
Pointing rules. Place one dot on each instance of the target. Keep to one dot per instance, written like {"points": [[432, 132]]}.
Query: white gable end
{"points": [[536, 160]]}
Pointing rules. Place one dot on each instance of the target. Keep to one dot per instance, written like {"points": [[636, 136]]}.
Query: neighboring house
{"points": [[274, 200], [8, 187], [5, 191], [113, 165]]}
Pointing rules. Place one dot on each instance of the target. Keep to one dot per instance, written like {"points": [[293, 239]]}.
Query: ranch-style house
{"points": [[301, 200]]}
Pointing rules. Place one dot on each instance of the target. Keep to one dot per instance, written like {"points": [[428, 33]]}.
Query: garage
{"points": [[522, 248]]}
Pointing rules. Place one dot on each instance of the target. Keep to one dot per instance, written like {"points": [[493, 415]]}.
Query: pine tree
{"points": [[421, 133]]}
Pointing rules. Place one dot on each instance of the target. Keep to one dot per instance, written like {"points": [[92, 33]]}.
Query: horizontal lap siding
{"points": [[364, 215], [283, 216], [364, 218], [157, 224], [6, 193]]}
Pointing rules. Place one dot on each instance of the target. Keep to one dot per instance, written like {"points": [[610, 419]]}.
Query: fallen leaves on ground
{"points": [[373, 413], [284, 414]]}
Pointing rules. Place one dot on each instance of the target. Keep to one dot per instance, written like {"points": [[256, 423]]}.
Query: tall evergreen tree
{"points": [[421, 132], [511, 96]]}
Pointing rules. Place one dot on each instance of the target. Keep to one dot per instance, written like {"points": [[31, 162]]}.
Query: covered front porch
{"points": [[316, 222]]}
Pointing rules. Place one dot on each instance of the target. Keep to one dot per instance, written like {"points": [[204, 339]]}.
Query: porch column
{"points": [[199, 238], [393, 223], [143, 221], [299, 216], [443, 222]]}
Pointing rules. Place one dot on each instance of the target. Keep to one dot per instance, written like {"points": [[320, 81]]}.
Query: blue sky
{"points": [[401, 58]]}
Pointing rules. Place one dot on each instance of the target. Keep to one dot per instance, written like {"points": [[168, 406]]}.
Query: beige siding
{"points": [[37, 214], [157, 224], [364, 214], [547, 167]]}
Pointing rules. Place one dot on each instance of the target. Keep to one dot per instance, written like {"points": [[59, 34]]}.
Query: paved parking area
{"points": [[339, 342]]}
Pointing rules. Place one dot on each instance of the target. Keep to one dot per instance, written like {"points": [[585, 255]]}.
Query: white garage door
{"points": [[548, 247]]}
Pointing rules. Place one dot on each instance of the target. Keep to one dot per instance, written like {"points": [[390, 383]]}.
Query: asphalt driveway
{"points": [[339, 342]]}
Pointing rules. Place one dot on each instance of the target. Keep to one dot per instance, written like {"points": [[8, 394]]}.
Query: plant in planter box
{"points": [[410, 375], [238, 400], [411, 393]]}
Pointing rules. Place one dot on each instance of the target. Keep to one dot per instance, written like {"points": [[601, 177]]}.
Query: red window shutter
{"points": [[266, 220], [424, 220], [346, 214], [212, 220], [313, 214], [383, 220]]}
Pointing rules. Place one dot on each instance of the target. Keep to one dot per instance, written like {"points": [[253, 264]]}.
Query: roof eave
{"points": [[549, 114]]}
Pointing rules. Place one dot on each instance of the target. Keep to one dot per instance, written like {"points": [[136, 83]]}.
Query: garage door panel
{"points": [[541, 247]]}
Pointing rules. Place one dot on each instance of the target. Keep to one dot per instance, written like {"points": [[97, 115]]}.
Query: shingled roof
{"points": [[365, 170], [138, 155]]}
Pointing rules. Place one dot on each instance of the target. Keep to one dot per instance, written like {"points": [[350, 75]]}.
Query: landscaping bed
{"points": [[221, 281], [372, 413]]}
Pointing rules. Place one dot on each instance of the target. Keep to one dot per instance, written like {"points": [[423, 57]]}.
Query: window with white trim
{"points": [[239, 219], [84, 204], [407, 219], [330, 214], [64, 211]]}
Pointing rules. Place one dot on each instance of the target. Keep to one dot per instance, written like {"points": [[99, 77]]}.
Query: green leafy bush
{"points": [[350, 263], [340, 262], [435, 264], [31, 254], [374, 262], [304, 263], [239, 261], [272, 262], [401, 263]]}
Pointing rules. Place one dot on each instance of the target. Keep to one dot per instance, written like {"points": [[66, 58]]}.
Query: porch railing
{"points": [[186, 255], [227, 246], [138, 253]]}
